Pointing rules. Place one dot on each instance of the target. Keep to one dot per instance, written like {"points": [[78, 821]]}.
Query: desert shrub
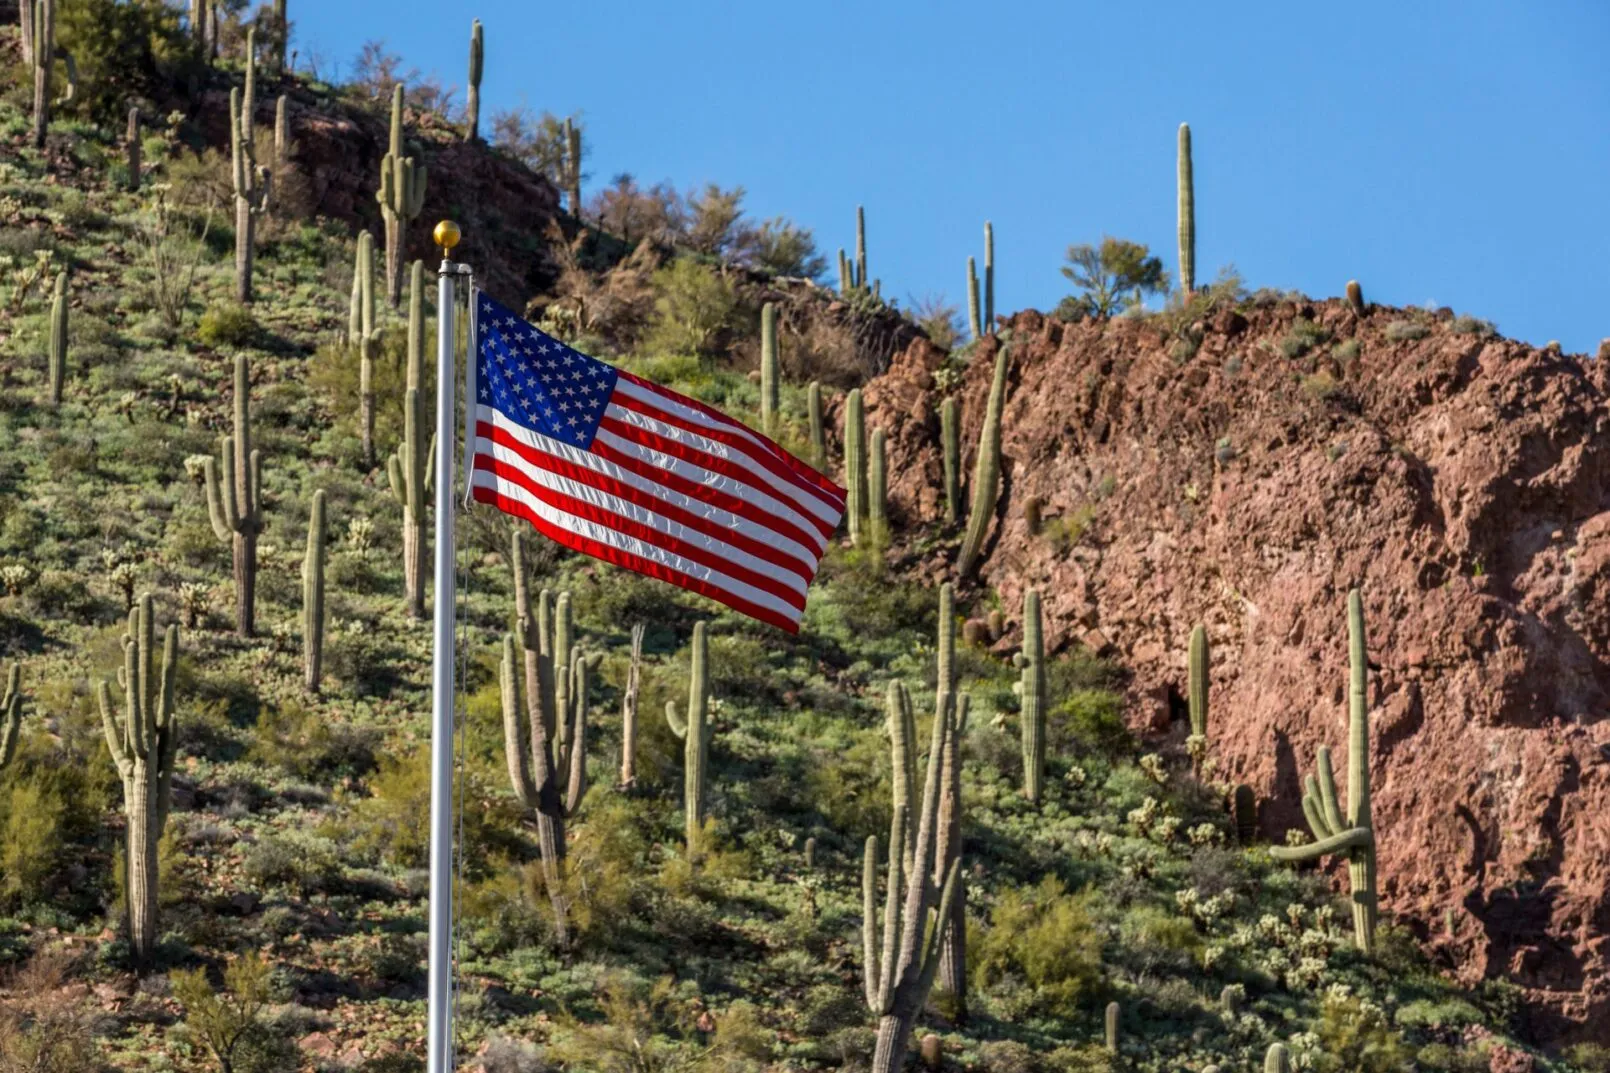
{"points": [[227, 325], [1355, 1035], [1066, 530], [44, 1025], [1403, 330], [124, 51], [647, 1028], [1468, 325], [1093, 718], [30, 840], [1320, 385], [308, 744], [1156, 939], [1302, 336], [305, 862], [1048, 939], [231, 1025], [695, 310]]}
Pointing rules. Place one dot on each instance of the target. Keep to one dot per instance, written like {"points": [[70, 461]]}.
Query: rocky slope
{"points": [[1459, 478]]}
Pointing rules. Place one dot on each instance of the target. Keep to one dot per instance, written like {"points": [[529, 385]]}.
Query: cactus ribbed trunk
{"points": [[986, 472], [813, 399], [244, 549], [313, 598], [769, 389], [131, 144], [878, 492], [855, 467], [1361, 859], [472, 95], [58, 339], [974, 314], [894, 1037], [234, 500], [951, 447], [245, 236], [1031, 661], [1187, 213], [141, 847], [25, 14], [44, 61], [629, 700], [861, 277], [989, 276]]}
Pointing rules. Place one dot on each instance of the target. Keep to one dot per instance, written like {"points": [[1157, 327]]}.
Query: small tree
{"points": [[694, 309], [1112, 277], [230, 1024]]}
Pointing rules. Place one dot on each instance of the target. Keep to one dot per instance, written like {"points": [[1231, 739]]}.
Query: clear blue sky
{"points": [[1456, 153]]}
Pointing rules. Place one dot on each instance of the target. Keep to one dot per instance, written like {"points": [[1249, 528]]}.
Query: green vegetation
{"points": [[1112, 278]]}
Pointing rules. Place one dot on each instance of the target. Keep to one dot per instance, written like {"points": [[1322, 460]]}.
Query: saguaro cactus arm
{"points": [[10, 715]]}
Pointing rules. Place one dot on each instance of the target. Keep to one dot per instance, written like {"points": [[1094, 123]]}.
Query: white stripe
{"points": [[641, 515], [700, 442], [631, 545], [717, 481], [806, 557]]}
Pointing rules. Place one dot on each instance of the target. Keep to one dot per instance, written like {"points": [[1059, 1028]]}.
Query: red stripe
{"points": [[725, 500], [628, 561], [638, 497], [773, 457], [727, 468], [621, 524]]}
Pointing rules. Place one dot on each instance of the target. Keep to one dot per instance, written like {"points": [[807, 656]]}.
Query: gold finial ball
{"points": [[447, 234]]}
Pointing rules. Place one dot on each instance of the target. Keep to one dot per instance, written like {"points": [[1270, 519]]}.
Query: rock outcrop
{"points": [[1200, 472]]}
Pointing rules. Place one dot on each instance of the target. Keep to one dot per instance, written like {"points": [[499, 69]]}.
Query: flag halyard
{"points": [[621, 469]]}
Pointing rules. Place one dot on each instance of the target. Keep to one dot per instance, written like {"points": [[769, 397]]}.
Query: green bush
{"points": [[308, 744], [1355, 1036], [232, 1026], [1045, 937], [1404, 330], [31, 843], [695, 310], [227, 325], [1302, 337]]}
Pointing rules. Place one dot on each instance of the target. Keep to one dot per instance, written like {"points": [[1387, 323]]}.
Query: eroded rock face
{"points": [[1462, 480]]}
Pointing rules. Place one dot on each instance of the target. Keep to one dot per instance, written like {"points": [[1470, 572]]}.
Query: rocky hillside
{"points": [[1242, 466]]}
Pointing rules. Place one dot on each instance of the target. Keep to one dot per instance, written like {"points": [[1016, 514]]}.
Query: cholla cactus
{"points": [[1152, 765], [122, 576], [195, 600], [15, 577], [195, 467], [361, 536]]}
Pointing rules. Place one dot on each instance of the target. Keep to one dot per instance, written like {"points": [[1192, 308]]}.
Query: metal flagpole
{"points": [[439, 1027]]}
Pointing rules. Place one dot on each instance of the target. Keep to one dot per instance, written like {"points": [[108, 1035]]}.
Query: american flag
{"points": [[616, 467]]}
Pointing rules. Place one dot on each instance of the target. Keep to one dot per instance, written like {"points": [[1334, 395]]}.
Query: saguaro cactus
{"points": [[948, 849], [131, 146], [1244, 811], [472, 96], [768, 369], [41, 52], [545, 724], [365, 334], [1187, 212], [1197, 697], [313, 597], [1031, 688], [903, 760], [989, 276], [57, 357], [629, 711], [855, 467], [986, 472], [234, 500], [1277, 1060], [846, 276], [10, 715], [410, 469], [951, 447], [861, 277], [813, 402], [1110, 1025], [695, 734], [143, 749], [878, 492], [897, 980], [282, 132], [974, 315], [573, 166], [401, 196], [1354, 833], [1355, 297], [253, 184]]}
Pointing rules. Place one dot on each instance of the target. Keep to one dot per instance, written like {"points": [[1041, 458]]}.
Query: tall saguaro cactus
{"points": [[1354, 832], [951, 449], [131, 147], [10, 715], [813, 405], [313, 597], [1187, 212], [1032, 689], [855, 467], [974, 315], [861, 278], [545, 724], [695, 734], [472, 96], [948, 849], [143, 748], [629, 698], [401, 196], [253, 184], [234, 500], [573, 166], [41, 53], [1197, 697], [768, 369], [409, 470], [898, 971], [367, 334], [878, 492], [57, 356], [986, 471], [989, 276]]}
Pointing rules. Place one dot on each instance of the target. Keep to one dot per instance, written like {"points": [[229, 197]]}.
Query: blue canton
{"points": [[537, 381]]}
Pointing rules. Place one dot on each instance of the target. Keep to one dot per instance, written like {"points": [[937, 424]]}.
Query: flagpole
{"points": [[439, 1026]]}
